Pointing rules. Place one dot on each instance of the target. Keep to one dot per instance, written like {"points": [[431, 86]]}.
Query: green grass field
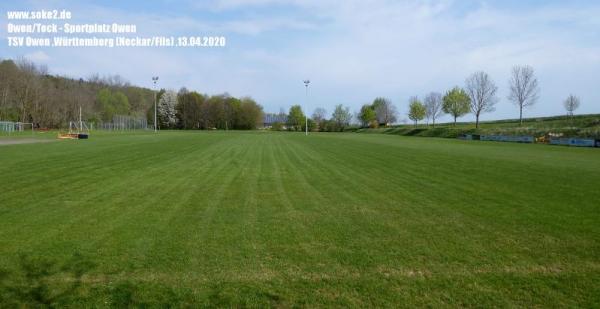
{"points": [[280, 219]]}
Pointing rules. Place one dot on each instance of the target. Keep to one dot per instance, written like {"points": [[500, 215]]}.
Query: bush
{"points": [[277, 126]]}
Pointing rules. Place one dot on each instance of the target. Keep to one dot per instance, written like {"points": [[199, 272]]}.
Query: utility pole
{"points": [[306, 82], [155, 79]]}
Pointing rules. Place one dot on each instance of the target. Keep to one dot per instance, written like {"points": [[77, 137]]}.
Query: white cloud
{"points": [[410, 48], [38, 56], [356, 50]]}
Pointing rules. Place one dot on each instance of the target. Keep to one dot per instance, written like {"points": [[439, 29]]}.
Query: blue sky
{"points": [[353, 51]]}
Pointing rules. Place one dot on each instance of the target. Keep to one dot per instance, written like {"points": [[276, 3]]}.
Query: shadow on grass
{"points": [[40, 282], [242, 296], [34, 282]]}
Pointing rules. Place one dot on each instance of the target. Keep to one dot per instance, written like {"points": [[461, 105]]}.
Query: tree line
{"points": [[192, 110], [297, 120], [479, 96], [28, 93], [380, 112]]}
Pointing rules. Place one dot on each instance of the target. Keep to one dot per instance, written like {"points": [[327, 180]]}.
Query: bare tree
{"points": [[29, 90], [385, 111], [524, 90], [8, 82], [571, 104], [482, 92], [319, 115], [433, 106], [341, 116]]}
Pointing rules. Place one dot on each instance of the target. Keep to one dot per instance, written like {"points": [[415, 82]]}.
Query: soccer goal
{"points": [[77, 129], [24, 127], [15, 127]]}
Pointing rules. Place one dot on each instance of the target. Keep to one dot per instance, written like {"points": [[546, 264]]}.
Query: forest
{"points": [[28, 93]]}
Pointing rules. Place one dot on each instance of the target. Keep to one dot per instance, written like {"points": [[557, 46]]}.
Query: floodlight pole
{"points": [[306, 82], [155, 79], [80, 122]]}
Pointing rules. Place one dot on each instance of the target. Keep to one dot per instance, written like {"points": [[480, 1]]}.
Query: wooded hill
{"points": [[28, 93]]}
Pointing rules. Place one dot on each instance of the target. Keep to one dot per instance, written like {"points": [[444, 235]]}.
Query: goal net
{"points": [[77, 127], [24, 126], [15, 127]]}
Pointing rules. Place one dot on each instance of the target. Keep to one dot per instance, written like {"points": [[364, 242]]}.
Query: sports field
{"points": [[281, 219]]}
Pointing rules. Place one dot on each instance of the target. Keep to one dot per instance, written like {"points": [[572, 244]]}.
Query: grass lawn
{"points": [[281, 219]]}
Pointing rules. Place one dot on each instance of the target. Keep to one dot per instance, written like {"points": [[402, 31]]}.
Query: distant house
{"points": [[270, 118]]}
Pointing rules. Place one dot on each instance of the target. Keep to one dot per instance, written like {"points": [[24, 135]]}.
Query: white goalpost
{"points": [[77, 129], [14, 127], [24, 126]]}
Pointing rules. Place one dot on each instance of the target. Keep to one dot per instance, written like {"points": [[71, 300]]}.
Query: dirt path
{"points": [[13, 141]]}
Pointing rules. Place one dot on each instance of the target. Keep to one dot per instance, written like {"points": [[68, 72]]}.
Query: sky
{"points": [[352, 51]]}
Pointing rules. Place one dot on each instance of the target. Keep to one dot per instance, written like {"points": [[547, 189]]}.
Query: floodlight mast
{"points": [[155, 79], [80, 122], [306, 82]]}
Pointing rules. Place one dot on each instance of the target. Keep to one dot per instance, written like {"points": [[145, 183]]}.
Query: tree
{"points": [[433, 106], [121, 103], [28, 90], [367, 116], [188, 110], [104, 99], [214, 113], [112, 104], [206, 118], [312, 125], [482, 92], [318, 116], [139, 99], [231, 113], [166, 109], [416, 110], [384, 111], [456, 103], [296, 118], [571, 104], [524, 88], [251, 114], [9, 73], [341, 116]]}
